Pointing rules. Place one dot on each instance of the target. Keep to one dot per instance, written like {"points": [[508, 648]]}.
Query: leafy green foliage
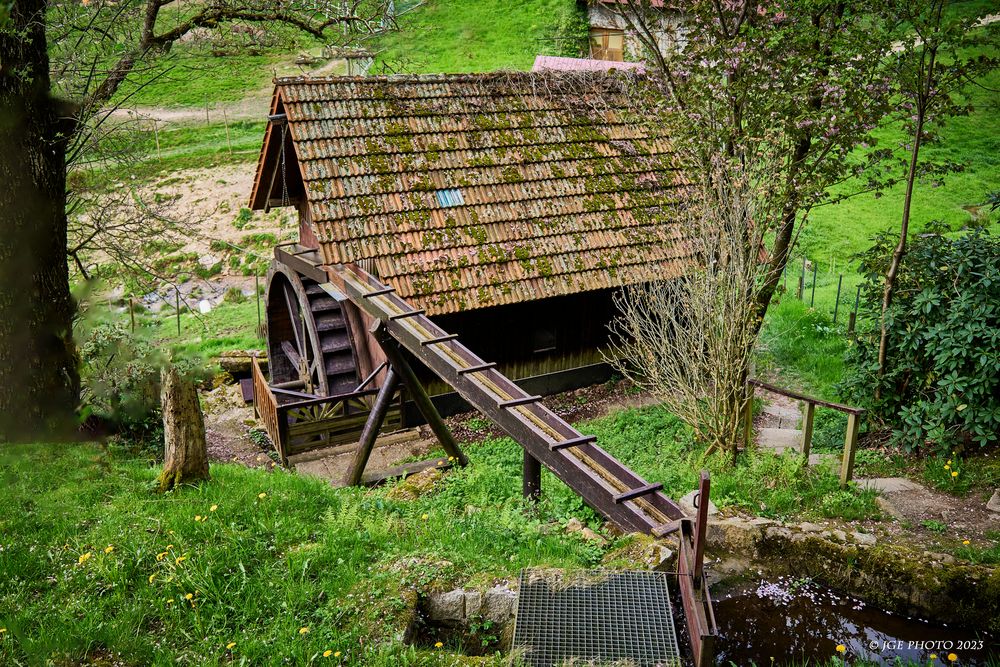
{"points": [[942, 382], [120, 373]]}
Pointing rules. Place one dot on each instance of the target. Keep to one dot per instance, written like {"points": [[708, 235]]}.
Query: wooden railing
{"points": [[297, 422], [811, 403], [266, 407]]}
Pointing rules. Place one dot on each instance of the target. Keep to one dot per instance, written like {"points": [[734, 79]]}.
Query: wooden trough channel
{"points": [[623, 497]]}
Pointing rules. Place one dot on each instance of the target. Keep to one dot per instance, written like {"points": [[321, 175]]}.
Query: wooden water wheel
{"points": [[309, 343]]}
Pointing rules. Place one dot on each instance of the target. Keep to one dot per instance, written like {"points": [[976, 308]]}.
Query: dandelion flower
{"points": [[841, 648], [954, 473], [933, 656], [188, 596], [438, 645], [947, 466], [170, 601], [84, 558], [213, 508], [948, 461], [336, 654], [230, 646], [262, 495], [3, 630], [151, 577], [965, 541], [180, 559], [952, 657], [327, 653], [304, 630], [197, 517], [108, 549], [160, 556]]}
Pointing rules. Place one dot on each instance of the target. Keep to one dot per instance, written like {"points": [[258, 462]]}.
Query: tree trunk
{"points": [[185, 449], [897, 254], [39, 380]]}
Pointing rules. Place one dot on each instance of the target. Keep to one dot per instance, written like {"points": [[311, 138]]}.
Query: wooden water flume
{"points": [[403, 332]]}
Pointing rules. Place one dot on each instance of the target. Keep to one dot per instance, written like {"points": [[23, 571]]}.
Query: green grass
{"points": [[339, 562], [344, 563], [475, 36], [228, 326]]}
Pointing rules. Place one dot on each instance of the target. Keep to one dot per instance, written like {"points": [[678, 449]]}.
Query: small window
{"points": [[543, 340], [450, 197], [607, 44]]}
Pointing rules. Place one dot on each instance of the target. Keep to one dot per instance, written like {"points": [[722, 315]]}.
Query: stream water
{"points": [[790, 620]]}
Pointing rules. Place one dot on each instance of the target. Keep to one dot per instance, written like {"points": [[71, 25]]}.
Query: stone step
{"points": [[790, 415], [779, 439]]}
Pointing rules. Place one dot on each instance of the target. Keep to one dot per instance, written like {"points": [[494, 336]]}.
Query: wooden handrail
{"points": [[850, 438], [336, 398], [802, 397]]}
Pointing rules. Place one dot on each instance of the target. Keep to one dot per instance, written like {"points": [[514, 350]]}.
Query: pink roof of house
{"points": [[582, 65]]}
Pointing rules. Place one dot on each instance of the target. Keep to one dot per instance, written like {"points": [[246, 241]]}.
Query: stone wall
{"points": [[897, 578]]}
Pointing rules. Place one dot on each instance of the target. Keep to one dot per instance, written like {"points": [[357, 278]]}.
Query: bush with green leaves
{"points": [[941, 385]]}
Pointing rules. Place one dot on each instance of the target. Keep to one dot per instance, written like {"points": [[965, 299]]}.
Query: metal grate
{"points": [[598, 617]]}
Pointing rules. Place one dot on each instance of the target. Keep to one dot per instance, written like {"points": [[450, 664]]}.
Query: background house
{"points": [[612, 37]]}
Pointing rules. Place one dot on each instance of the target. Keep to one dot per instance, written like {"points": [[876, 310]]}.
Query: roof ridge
{"points": [[438, 77]]}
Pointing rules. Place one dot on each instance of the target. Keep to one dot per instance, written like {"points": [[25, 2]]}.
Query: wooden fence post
{"points": [[836, 305], [850, 443], [812, 299], [807, 429]]}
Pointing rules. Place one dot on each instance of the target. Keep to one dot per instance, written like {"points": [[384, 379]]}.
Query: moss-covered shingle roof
{"points": [[469, 191]]}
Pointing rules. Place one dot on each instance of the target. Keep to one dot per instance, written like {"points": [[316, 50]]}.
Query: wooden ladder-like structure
{"points": [[619, 494]]}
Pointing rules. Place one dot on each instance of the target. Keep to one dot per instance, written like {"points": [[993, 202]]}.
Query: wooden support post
{"points": [[807, 430], [370, 432], [531, 485], [802, 280], [395, 356], [852, 320], [700, 528], [850, 444], [748, 417]]}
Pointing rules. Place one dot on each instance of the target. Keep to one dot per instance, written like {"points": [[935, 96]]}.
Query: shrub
{"points": [[941, 386], [120, 374]]}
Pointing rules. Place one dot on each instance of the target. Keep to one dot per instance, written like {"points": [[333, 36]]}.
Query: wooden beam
{"points": [[423, 402], [635, 493], [478, 368], [573, 442], [372, 427]]}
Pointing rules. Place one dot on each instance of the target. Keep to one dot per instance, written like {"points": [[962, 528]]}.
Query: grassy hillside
{"points": [[480, 36]]}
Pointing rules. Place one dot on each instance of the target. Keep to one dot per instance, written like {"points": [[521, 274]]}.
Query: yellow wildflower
{"points": [[954, 473], [230, 645], [188, 596], [947, 466], [108, 549], [170, 546], [3, 630], [84, 558], [841, 648], [952, 657], [948, 461], [933, 656], [197, 517], [336, 654], [304, 630], [213, 508], [180, 559], [151, 577], [170, 601], [423, 517], [440, 463], [327, 653], [262, 495], [160, 556], [438, 645]]}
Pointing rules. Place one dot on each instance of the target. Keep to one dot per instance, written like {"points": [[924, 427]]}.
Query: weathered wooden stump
{"points": [[185, 448]]}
